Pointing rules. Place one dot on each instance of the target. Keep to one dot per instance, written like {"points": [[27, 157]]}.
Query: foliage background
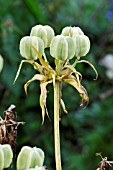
{"points": [[83, 131]]}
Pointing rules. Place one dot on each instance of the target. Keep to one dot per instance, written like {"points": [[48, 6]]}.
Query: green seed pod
{"points": [[62, 47], [37, 168], [1, 63], [82, 45], [29, 158], [46, 33], [72, 31], [38, 158], [1, 158], [26, 49], [6, 156], [24, 158]]}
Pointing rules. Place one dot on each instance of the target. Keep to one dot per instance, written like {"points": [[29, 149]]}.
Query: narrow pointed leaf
{"points": [[85, 61], [63, 106], [35, 77], [43, 97], [36, 66], [83, 93], [77, 74], [44, 63]]}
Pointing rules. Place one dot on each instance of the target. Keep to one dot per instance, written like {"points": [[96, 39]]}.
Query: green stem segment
{"points": [[56, 125]]}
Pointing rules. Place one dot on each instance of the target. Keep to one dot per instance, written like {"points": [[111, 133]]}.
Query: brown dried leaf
{"points": [[85, 61], [35, 64], [63, 106], [82, 91], [35, 77], [77, 74], [43, 97]]}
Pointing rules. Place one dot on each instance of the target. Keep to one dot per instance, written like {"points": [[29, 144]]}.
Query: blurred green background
{"points": [[83, 131]]}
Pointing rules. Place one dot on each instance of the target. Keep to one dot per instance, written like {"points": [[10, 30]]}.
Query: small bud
{"points": [[82, 45], [46, 33], [62, 47], [26, 49], [72, 31], [1, 63], [6, 156], [30, 158]]}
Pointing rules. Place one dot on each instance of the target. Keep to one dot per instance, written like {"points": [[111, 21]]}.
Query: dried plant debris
{"points": [[104, 163], [8, 127]]}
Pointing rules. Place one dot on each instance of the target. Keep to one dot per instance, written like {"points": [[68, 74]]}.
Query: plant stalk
{"points": [[56, 125]]}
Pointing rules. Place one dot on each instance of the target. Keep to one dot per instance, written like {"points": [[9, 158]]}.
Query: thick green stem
{"points": [[56, 125]]}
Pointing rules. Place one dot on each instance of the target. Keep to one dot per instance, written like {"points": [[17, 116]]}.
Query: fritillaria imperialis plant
{"points": [[71, 43]]}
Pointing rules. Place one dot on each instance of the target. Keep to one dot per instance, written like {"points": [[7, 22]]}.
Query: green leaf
{"points": [[43, 62]]}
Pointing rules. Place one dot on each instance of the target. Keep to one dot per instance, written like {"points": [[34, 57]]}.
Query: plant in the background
{"points": [[107, 62], [72, 43], [1, 63]]}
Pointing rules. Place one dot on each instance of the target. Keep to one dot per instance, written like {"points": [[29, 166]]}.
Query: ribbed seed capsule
{"points": [[24, 159], [1, 158], [72, 31], [82, 45], [30, 158], [38, 156], [26, 49], [46, 33], [62, 47], [1, 63], [37, 168], [6, 156]]}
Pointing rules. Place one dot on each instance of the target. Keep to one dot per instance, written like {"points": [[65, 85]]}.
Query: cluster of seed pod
{"points": [[28, 158], [71, 42]]}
